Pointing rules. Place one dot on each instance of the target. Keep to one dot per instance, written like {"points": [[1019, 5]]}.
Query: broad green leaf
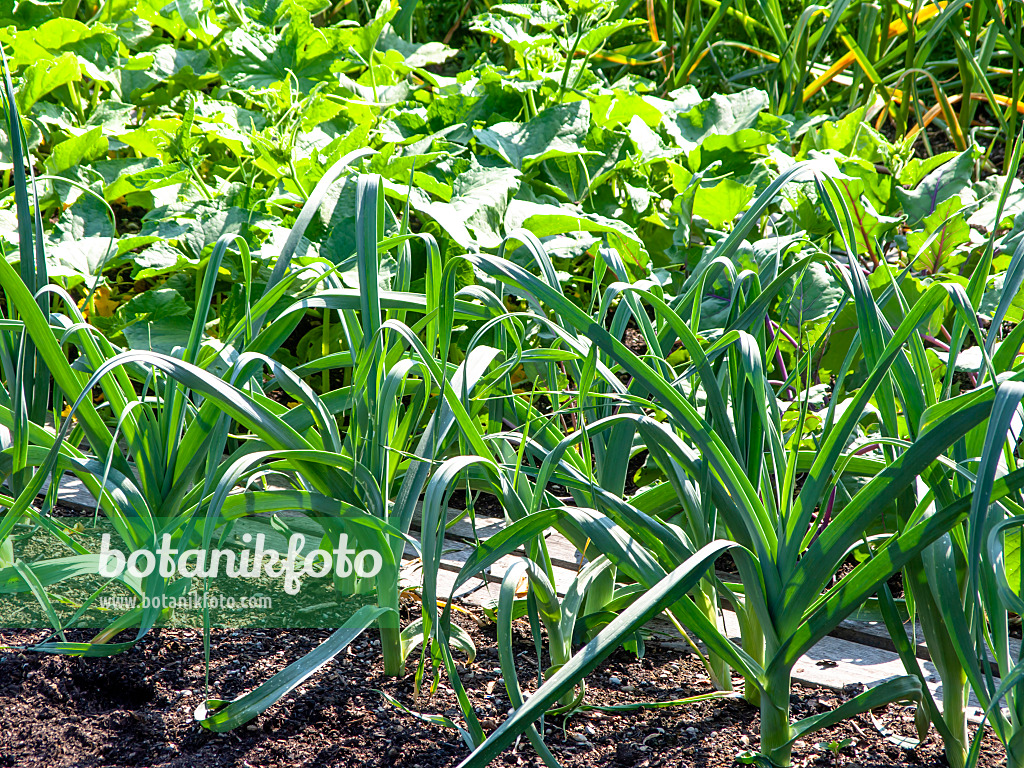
{"points": [[78, 149], [83, 259], [557, 131], [721, 202], [160, 259], [416, 55], [950, 230], [94, 47], [475, 215], [513, 32], [816, 296], [168, 62], [309, 53], [721, 114], [545, 220], [949, 179], [154, 305], [126, 175], [45, 76]]}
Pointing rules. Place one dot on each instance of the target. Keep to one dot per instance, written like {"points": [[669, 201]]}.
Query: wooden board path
{"points": [[856, 653]]}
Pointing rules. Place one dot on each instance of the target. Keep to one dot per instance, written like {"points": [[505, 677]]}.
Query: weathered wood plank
{"points": [[836, 663], [562, 552]]}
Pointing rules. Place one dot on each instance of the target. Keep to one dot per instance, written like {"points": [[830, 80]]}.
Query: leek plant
{"points": [[158, 452], [959, 586], [27, 394], [786, 564], [564, 616], [498, 462], [173, 421]]}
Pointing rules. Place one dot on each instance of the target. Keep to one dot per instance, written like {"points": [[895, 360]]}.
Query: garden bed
{"points": [[135, 709]]}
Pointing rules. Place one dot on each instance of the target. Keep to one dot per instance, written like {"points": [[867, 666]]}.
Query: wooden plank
{"points": [[563, 553], [484, 597], [836, 663], [875, 634], [412, 576], [456, 553], [72, 494]]}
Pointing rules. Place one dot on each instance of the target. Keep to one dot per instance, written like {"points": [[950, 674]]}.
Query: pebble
{"points": [[589, 730], [691, 732], [615, 680]]}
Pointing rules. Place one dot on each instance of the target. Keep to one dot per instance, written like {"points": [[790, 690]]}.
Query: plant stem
{"points": [[601, 591], [325, 349], [718, 668], [775, 727], [946, 661], [752, 641], [954, 712], [1014, 755], [391, 646], [389, 624], [76, 102], [568, 60]]}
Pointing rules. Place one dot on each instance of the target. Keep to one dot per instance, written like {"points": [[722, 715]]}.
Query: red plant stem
{"points": [[826, 518], [785, 333], [796, 346], [790, 389], [778, 352], [935, 342], [945, 348]]}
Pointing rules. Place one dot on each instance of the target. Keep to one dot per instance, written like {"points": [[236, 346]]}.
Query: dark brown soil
{"points": [[633, 340], [136, 710], [484, 504]]}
